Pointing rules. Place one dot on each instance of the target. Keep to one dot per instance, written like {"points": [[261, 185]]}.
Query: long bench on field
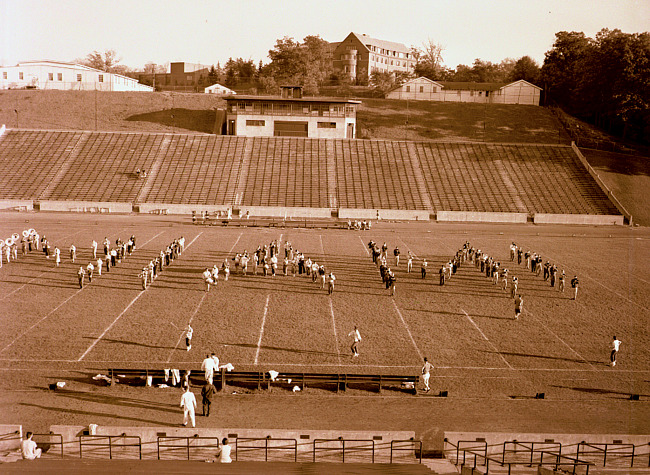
{"points": [[262, 380]]}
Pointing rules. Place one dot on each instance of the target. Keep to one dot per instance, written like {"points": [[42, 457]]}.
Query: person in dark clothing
{"points": [[207, 392]]}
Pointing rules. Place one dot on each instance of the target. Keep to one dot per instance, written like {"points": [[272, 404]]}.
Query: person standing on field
{"points": [[426, 374], [519, 306], [616, 344], [356, 336], [188, 403], [574, 285]]}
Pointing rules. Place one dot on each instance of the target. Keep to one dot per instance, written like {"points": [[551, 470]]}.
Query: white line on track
{"points": [[128, 306], [259, 342], [486, 338], [336, 338], [408, 249], [180, 338], [365, 247], [233, 246], [562, 341], [407, 329]]}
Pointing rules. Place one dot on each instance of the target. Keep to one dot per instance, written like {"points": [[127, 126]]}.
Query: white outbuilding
{"points": [[65, 76], [219, 90]]}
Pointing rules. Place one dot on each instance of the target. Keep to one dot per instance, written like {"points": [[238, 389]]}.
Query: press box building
{"points": [[291, 115]]}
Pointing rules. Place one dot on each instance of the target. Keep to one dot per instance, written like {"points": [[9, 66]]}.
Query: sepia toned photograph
{"points": [[344, 237]]}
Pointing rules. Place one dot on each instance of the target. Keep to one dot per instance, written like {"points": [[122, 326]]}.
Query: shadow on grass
{"points": [[598, 391], [459, 314], [545, 357], [133, 343], [189, 119], [278, 348], [98, 414]]}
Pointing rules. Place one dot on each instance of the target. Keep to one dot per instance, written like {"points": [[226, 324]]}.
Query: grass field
{"points": [[490, 364]]}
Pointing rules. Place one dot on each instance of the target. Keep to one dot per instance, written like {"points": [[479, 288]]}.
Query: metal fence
{"points": [[247, 445], [117, 445], [186, 447]]}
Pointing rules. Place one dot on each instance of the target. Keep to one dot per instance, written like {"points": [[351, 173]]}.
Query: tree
{"points": [[104, 62], [525, 68], [428, 60], [307, 63], [382, 81]]}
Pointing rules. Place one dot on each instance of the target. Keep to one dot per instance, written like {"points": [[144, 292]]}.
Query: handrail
{"points": [[570, 461], [11, 435], [52, 434], [266, 446], [529, 447], [603, 448], [412, 442], [342, 448], [110, 443], [187, 446], [481, 445]]}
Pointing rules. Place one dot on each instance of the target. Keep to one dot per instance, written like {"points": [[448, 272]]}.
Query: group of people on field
{"points": [[112, 257], [9, 248], [156, 265]]}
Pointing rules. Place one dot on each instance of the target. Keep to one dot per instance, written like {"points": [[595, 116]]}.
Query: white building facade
{"points": [[424, 89], [65, 76], [219, 90]]}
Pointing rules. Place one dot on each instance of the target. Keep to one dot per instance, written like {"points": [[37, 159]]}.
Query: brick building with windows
{"points": [[357, 56], [290, 115], [66, 76]]}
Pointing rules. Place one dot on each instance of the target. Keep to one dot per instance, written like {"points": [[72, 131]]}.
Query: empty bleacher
{"points": [[297, 172]]}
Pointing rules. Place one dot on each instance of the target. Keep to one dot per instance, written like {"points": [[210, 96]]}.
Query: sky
{"points": [[211, 31]]}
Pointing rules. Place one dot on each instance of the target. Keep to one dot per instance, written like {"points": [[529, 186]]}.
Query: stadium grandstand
{"points": [[287, 172]]}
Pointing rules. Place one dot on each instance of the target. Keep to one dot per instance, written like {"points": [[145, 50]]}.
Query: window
{"points": [[50, 76], [434, 89], [391, 62], [20, 75], [78, 77], [327, 125], [408, 88], [480, 93], [189, 77], [421, 88], [4, 74], [255, 123], [59, 76], [487, 93], [101, 78]]}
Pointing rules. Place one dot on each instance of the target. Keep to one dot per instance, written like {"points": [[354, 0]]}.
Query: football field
{"points": [[466, 328]]}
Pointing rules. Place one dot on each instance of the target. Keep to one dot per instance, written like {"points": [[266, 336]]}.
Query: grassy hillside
{"points": [[179, 112]]}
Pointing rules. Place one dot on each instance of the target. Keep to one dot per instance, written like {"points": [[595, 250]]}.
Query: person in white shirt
{"points": [[426, 374], [207, 277], [29, 449], [188, 337], [89, 270], [94, 248], [208, 366], [100, 264], [330, 283], [616, 344], [224, 452], [57, 256], [355, 344], [73, 253], [188, 403]]}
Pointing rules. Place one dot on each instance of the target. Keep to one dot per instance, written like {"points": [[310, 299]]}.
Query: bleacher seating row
{"points": [[297, 172]]}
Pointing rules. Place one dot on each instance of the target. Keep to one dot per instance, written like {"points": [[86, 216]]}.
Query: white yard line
{"points": [[336, 338], [365, 247], [408, 249], [486, 338], [128, 306], [259, 341], [562, 341], [180, 338], [407, 329]]}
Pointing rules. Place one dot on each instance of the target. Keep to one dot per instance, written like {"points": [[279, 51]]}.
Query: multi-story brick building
{"points": [[357, 56]]}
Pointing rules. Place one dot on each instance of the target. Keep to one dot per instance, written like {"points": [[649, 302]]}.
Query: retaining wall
{"points": [[591, 219], [388, 214], [170, 208], [10, 440], [17, 205], [86, 206], [288, 212], [481, 217]]}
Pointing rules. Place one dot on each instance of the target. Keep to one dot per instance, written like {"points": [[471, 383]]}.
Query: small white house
{"points": [[219, 89], [424, 89], [66, 76]]}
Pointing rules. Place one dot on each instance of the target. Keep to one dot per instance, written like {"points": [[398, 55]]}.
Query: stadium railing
{"points": [[45, 442], [167, 445], [615, 452], [408, 445], [241, 446], [368, 445], [112, 442]]}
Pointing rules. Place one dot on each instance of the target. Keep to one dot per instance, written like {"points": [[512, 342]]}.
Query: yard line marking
{"points": [[110, 326], [180, 338], [365, 248], [486, 338], [152, 238], [603, 285], [562, 341], [37, 323], [39, 275], [336, 338], [259, 342], [127, 307], [233, 246], [407, 329]]}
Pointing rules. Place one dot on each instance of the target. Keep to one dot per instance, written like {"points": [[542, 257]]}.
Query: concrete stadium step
{"points": [[110, 467]]}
